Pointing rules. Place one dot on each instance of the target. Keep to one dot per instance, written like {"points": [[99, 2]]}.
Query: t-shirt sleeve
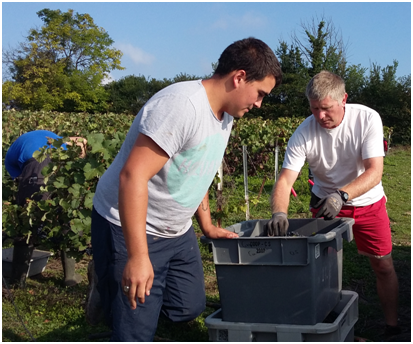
{"points": [[373, 138], [295, 154], [169, 121]]}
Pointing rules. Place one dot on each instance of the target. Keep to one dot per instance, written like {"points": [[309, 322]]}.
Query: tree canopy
{"points": [[61, 65]]}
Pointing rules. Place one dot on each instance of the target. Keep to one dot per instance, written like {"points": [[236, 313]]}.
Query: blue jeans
{"points": [[178, 289]]}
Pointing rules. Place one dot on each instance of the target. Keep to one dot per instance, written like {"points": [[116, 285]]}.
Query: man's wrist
{"points": [[343, 195], [279, 213], [207, 230]]}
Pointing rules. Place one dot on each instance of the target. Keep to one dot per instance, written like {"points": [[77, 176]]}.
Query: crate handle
{"points": [[344, 230]]}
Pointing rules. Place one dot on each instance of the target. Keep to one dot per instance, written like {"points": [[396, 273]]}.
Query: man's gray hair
{"points": [[326, 84]]}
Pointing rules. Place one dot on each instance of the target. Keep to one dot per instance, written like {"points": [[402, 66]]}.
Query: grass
{"points": [[52, 313], [357, 274]]}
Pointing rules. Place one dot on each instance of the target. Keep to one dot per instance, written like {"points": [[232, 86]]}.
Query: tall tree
{"points": [[320, 48], [323, 47], [61, 65], [391, 98]]}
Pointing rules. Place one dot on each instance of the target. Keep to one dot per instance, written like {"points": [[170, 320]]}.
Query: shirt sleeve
{"points": [[169, 121], [295, 154], [373, 138]]}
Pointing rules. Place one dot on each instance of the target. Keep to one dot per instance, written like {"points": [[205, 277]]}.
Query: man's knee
{"points": [[183, 314], [383, 268]]}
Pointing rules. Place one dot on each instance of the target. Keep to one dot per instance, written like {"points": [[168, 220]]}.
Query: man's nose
{"points": [[320, 114], [258, 103]]}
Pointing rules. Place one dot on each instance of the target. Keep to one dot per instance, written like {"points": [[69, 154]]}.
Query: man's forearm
{"points": [[361, 184], [367, 180], [280, 198], [133, 204], [203, 214]]}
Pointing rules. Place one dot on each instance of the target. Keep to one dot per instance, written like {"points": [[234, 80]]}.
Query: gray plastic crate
{"points": [[37, 263], [285, 280], [339, 327]]}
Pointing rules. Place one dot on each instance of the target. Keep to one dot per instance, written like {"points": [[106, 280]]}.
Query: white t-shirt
{"points": [[180, 120], [335, 156]]}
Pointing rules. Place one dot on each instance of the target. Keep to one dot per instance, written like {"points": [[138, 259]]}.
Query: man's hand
{"points": [[138, 276], [329, 206], [214, 232], [278, 225]]}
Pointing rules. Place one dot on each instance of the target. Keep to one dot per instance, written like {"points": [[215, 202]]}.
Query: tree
{"points": [[130, 93], [61, 65], [391, 98], [355, 79], [325, 49], [299, 62], [322, 49]]}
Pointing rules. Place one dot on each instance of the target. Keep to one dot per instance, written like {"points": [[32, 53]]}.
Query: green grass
{"points": [[52, 313], [397, 185], [357, 274]]}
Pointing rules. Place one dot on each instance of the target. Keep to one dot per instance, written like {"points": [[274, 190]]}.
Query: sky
{"points": [[163, 39]]}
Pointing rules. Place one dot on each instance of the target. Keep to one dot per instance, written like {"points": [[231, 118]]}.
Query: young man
{"points": [[146, 254], [343, 145]]}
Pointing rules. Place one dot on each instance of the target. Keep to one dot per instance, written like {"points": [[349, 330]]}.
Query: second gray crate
{"points": [[339, 329]]}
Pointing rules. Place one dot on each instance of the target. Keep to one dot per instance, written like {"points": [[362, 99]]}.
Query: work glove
{"points": [[278, 225], [329, 206]]}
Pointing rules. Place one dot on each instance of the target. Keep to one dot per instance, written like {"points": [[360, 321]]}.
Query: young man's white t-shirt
{"points": [[335, 156], [181, 122]]}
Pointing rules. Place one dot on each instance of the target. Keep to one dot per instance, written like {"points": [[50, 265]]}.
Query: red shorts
{"points": [[371, 229]]}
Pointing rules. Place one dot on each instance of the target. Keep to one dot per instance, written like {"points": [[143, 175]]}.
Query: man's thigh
{"points": [[372, 231], [184, 296], [110, 256], [178, 282]]}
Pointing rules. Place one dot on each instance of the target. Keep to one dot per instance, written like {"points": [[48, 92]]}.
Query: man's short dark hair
{"points": [[253, 56]]}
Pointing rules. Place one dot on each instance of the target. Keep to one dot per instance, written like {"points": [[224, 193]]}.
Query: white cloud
{"points": [[137, 55], [249, 20], [107, 79]]}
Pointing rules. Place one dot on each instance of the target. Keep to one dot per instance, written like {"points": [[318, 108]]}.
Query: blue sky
{"points": [[162, 40]]}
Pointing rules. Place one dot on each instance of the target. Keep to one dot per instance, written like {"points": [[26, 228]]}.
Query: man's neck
{"points": [[216, 92]]}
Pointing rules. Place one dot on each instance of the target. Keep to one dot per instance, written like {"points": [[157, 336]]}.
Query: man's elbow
{"points": [[377, 174], [377, 179], [125, 177]]}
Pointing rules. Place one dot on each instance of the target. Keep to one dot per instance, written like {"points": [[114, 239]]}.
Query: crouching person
{"points": [[145, 251]]}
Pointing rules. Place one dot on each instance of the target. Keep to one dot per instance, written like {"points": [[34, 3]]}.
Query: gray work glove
{"points": [[278, 225], [329, 206]]}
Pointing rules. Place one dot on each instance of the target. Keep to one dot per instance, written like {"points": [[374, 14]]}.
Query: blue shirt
{"points": [[23, 148]]}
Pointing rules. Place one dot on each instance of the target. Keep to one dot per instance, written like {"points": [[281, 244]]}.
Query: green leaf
{"points": [[89, 201], [60, 183], [75, 203], [93, 171], [75, 190], [64, 204]]}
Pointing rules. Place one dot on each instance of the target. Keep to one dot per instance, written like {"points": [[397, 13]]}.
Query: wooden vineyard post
{"points": [[245, 163], [219, 192]]}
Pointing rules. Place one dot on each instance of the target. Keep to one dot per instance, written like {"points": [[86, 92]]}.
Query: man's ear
{"points": [[344, 99], [238, 77]]}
